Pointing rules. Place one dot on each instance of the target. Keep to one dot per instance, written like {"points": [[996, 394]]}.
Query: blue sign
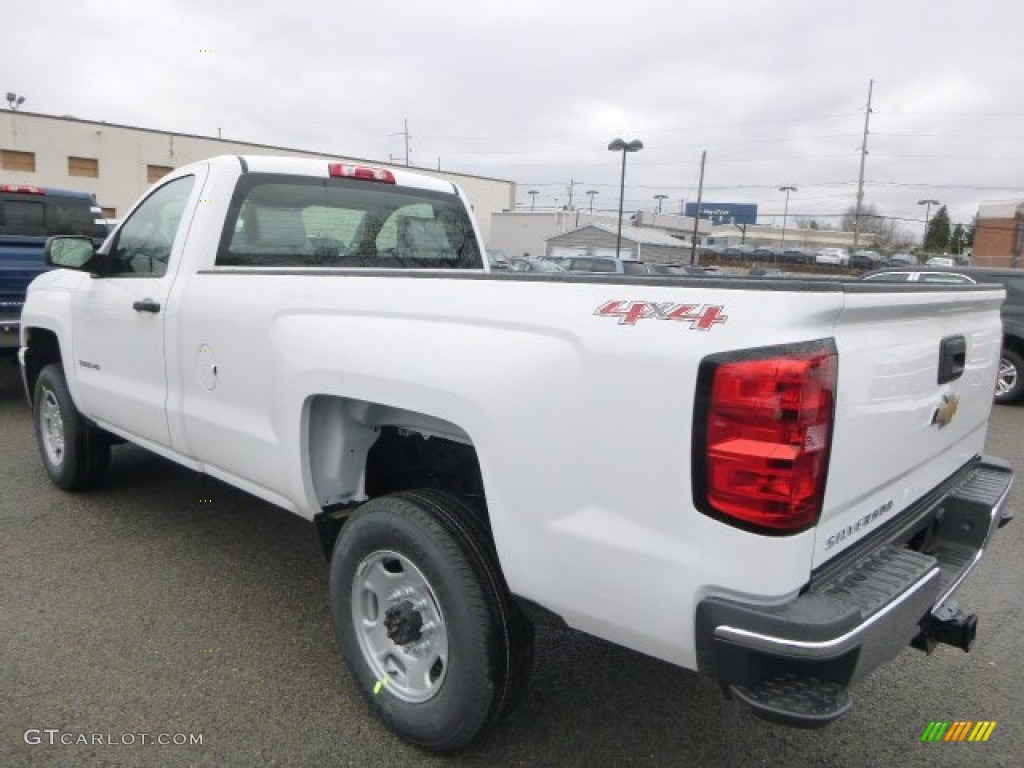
{"points": [[724, 213]]}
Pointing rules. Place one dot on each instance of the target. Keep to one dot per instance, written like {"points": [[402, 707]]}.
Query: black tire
{"points": [[1010, 383], [488, 644], [75, 454]]}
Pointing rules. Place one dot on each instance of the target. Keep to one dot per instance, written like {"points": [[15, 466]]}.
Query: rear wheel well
{"points": [[360, 450], [1016, 343]]}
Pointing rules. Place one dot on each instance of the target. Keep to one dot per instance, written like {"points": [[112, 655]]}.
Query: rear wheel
{"points": [[1010, 381], [75, 454], [424, 619]]}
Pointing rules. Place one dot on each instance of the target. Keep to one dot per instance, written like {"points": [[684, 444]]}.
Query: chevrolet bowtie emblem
{"points": [[945, 412]]}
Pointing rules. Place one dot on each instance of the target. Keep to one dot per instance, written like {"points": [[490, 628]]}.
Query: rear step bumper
{"points": [[794, 663]]}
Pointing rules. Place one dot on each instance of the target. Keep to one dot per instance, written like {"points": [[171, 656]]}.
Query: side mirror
{"points": [[69, 252]]}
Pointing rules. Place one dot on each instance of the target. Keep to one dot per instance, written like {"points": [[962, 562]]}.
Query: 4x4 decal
{"points": [[701, 317]]}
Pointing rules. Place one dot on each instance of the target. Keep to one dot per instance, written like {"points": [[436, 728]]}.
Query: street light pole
{"points": [[785, 213], [618, 145], [660, 199], [927, 213], [591, 193], [533, 198]]}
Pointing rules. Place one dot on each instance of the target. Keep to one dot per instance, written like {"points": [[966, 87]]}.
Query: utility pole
{"points": [[696, 213], [863, 157], [785, 213], [407, 137], [571, 185]]}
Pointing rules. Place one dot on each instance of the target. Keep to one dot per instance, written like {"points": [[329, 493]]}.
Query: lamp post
{"points": [[533, 198], [927, 213], [591, 193], [618, 145], [660, 198], [14, 101], [785, 213]]}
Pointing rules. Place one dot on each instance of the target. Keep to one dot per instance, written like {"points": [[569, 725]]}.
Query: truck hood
{"points": [[900, 429]]}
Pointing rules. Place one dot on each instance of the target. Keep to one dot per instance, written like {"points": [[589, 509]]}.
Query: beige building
{"points": [[772, 237], [117, 163]]}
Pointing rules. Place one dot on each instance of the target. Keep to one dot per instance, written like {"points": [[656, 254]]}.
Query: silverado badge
{"points": [[947, 410]]}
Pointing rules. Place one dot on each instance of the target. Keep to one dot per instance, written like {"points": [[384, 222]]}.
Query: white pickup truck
{"points": [[777, 483]]}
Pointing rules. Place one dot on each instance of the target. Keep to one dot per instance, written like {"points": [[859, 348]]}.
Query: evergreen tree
{"points": [[938, 237], [958, 241]]}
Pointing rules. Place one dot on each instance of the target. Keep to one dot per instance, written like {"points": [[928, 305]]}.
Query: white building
{"points": [[641, 243], [117, 163]]}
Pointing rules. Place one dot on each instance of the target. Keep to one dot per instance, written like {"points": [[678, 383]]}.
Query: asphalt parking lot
{"points": [[166, 604]]}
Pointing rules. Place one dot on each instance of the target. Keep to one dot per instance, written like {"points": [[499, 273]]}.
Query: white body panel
{"points": [[582, 425]]}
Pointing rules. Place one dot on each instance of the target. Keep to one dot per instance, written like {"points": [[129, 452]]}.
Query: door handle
{"points": [[146, 305], [952, 358]]}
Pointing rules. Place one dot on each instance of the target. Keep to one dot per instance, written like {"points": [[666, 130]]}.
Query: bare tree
{"points": [[871, 220], [809, 222]]}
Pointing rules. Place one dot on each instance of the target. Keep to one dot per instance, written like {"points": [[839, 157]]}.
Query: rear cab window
{"points": [[293, 221]]}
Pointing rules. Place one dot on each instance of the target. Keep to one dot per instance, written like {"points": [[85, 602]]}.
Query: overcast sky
{"points": [[533, 91]]}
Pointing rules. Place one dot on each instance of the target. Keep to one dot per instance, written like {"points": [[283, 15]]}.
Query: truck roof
{"points": [[301, 166], [35, 189]]}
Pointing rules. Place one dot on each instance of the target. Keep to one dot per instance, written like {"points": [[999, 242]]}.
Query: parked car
{"points": [[866, 260], [497, 259], [833, 256], [602, 265], [903, 259], [764, 253], [737, 253], [534, 265], [681, 270], [797, 256], [941, 261], [1010, 379]]}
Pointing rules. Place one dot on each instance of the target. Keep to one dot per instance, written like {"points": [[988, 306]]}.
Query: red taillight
{"points": [[362, 172], [28, 190], [766, 439]]}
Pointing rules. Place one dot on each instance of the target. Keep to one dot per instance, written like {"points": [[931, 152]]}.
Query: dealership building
{"points": [[117, 163]]}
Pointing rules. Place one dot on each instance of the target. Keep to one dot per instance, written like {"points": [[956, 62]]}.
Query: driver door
{"points": [[119, 317]]}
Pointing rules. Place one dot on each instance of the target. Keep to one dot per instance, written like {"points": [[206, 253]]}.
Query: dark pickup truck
{"points": [[29, 215]]}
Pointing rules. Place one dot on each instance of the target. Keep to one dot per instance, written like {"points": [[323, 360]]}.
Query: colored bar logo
{"points": [[958, 730]]}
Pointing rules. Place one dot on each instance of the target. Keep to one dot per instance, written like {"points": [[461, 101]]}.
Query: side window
{"points": [[143, 245]]}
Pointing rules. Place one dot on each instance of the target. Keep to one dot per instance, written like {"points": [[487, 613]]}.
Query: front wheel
{"points": [[75, 454], [1010, 381], [424, 619]]}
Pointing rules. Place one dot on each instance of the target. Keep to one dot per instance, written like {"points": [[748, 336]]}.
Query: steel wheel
{"points": [[424, 618], [75, 454], [1010, 381], [1007, 378], [52, 427], [399, 626]]}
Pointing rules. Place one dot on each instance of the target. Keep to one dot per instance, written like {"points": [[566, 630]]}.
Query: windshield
{"points": [[49, 215]]}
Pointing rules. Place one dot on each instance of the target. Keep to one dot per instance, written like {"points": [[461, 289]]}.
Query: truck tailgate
{"points": [[917, 368]]}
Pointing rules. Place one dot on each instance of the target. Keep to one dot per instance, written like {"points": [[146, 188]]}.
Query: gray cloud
{"points": [[533, 91]]}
